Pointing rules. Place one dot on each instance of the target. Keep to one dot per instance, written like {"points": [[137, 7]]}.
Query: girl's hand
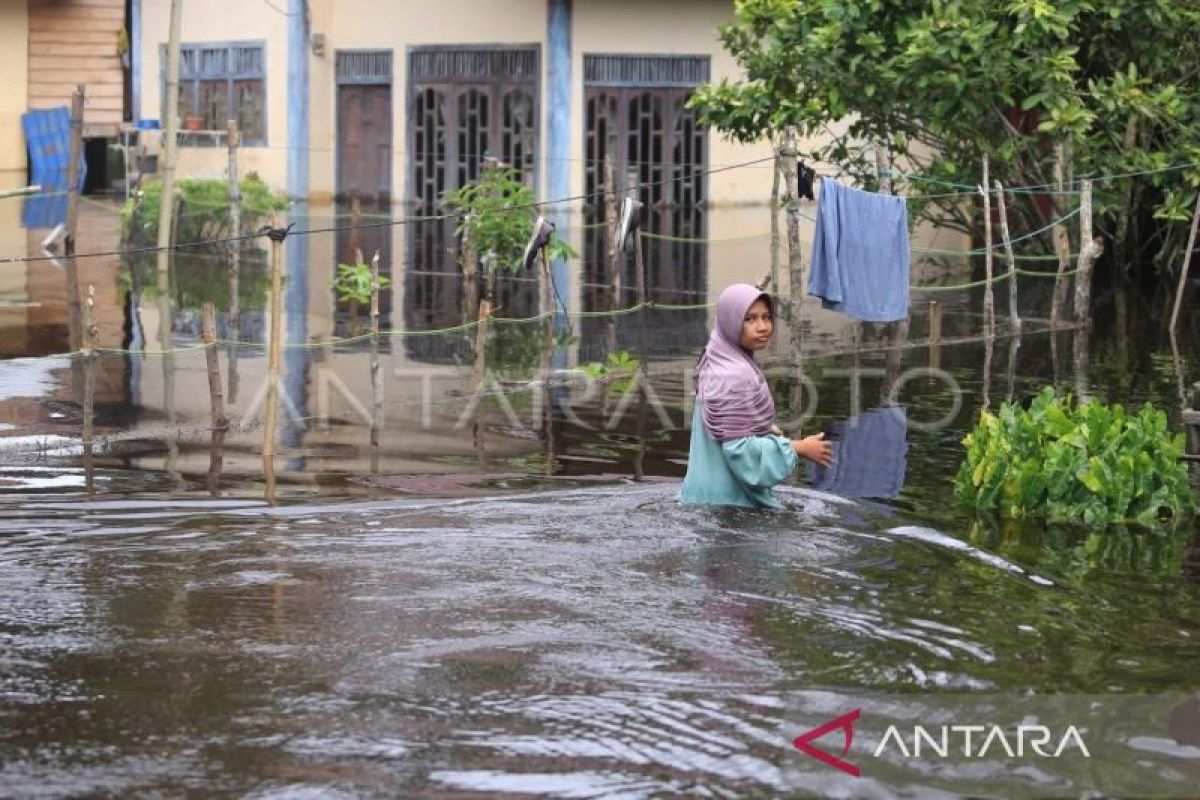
{"points": [[815, 449]]}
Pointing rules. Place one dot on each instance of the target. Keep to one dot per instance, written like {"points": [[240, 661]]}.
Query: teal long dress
{"points": [[739, 472]]}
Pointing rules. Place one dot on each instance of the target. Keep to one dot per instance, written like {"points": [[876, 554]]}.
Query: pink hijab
{"points": [[735, 400]]}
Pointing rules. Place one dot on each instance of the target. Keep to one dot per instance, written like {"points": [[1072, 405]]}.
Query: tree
{"points": [[941, 82]]}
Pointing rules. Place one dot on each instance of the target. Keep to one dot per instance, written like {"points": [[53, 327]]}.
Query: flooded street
{"points": [[496, 592]]}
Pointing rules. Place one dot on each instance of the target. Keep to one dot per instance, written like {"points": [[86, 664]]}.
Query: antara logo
{"points": [[845, 723], [977, 741]]}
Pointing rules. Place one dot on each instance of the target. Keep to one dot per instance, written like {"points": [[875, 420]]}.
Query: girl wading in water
{"points": [[737, 452]]}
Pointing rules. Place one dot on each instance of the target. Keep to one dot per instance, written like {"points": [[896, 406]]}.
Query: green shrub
{"points": [[353, 283], [1089, 463], [499, 214], [204, 213]]}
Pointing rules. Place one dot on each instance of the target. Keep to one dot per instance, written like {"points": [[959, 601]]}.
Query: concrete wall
{"points": [[14, 66]]}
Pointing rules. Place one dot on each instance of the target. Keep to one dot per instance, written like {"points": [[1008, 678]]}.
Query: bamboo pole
{"points": [[91, 342], [71, 268], [1090, 248], [989, 297], [1014, 317], [235, 225], [274, 357], [1183, 268], [787, 160], [216, 400], [376, 383], [170, 136], [1062, 239]]}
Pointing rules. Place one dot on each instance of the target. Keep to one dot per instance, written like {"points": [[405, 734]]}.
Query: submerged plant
{"points": [[1091, 463]]}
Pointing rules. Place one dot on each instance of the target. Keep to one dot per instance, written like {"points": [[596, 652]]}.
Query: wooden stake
{"points": [[91, 342], [1183, 268], [1089, 250], [1014, 318], [274, 357], [1062, 239], [71, 268], [376, 383], [220, 424], [209, 337], [989, 297]]}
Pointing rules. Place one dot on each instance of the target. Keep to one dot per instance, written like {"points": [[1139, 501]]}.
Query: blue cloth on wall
{"points": [[860, 260], [870, 455], [740, 472]]}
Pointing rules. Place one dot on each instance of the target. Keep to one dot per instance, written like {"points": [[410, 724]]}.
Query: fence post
{"points": [[274, 357], [208, 332], [1089, 250], [1062, 240], [376, 384], [989, 297], [90, 343], [71, 268], [1014, 318]]}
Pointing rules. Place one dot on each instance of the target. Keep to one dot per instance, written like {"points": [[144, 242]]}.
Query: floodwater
{"points": [[488, 587]]}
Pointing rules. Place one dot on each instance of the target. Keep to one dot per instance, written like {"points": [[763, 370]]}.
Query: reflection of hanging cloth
{"points": [[869, 455], [860, 253]]}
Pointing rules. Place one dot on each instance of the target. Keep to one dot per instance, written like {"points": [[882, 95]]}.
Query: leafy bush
{"points": [[353, 283], [500, 211], [205, 210], [1089, 463]]}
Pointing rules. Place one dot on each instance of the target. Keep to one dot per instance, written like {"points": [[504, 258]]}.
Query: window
{"points": [[217, 83]]}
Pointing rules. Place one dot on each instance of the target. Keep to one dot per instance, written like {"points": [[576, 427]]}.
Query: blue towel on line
{"points": [[860, 253]]}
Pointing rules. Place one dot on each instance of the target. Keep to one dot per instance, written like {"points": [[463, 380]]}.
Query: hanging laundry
{"points": [[870, 455], [860, 260]]}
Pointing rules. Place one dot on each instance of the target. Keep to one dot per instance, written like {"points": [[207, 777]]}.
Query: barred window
{"points": [[219, 82]]}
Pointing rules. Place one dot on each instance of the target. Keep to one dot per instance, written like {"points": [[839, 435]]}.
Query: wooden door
{"points": [[364, 148]]}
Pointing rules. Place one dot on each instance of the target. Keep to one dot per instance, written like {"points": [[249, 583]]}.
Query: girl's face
{"points": [[757, 326]]}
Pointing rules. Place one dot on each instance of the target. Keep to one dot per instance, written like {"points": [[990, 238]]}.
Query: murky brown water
{"points": [[485, 602]]}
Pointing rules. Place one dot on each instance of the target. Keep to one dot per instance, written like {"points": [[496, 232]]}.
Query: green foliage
{"points": [[941, 83], [499, 215], [204, 211], [353, 283], [1089, 463]]}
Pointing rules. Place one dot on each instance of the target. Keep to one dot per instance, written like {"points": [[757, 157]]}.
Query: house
{"points": [[47, 48], [400, 101]]}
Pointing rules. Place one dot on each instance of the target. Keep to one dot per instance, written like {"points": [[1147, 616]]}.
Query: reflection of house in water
{"points": [[637, 122]]}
